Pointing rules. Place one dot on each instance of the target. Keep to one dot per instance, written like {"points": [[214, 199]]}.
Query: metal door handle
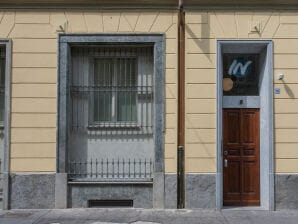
{"points": [[225, 163]]}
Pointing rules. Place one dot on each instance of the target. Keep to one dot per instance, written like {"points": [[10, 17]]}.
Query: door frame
{"points": [[266, 119]]}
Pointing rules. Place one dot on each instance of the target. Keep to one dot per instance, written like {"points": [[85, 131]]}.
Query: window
{"points": [[112, 88], [115, 90], [111, 106]]}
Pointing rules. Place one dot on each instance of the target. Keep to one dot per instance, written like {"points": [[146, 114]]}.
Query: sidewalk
{"points": [[146, 216]]}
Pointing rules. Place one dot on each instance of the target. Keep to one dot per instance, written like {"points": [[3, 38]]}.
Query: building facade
{"points": [[91, 105]]}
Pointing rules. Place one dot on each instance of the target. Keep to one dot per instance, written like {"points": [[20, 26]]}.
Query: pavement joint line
{"points": [[225, 219], [40, 217]]}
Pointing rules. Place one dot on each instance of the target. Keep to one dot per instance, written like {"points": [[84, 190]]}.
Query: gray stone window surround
{"points": [[158, 42], [266, 119], [7, 43]]}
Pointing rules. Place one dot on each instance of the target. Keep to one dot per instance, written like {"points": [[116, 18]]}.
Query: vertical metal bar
{"points": [[150, 168], [118, 167], [101, 168], [97, 87], [96, 173], [86, 168], [113, 168], [140, 166], [145, 173], [83, 93], [134, 168], [140, 70], [151, 95], [107, 168], [123, 169], [104, 93], [125, 94], [80, 169], [69, 167], [129, 168], [91, 168], [146, 74]]}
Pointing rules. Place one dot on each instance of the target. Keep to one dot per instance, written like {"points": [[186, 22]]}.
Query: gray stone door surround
{"points": [[7, 43], [265, 49]]}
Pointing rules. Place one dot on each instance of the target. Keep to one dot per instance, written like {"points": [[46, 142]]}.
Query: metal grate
{"points": [[111, 170], [109, 203], [111, 89]]}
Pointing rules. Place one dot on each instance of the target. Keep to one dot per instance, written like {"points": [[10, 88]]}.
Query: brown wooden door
{"points": [[241, 157]]}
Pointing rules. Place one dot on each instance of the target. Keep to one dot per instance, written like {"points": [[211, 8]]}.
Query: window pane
{"points": [[103, 85], [126, 89]]}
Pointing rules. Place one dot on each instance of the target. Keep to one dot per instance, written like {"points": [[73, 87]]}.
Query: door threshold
{"points": [[244, 208]]}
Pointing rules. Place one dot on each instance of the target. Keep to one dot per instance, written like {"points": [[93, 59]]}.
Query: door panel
{"points": [[249, 126], [241, 175], [232, 175], [249, 183], [233, 123]]}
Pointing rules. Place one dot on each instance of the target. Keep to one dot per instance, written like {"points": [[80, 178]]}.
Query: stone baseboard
{"points": [[80, 194], [200, 191], [286, 191], [32, 191]]}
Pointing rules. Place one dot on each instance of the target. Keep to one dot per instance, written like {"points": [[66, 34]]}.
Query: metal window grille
{"points": [[111, 170], [1, 179], [111, 89], [2, 85]]}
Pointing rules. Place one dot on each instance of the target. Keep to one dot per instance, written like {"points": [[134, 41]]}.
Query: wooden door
{"points": [[241, 157]]}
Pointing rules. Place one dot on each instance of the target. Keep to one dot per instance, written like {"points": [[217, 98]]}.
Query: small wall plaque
{"points": [[277, 91]]}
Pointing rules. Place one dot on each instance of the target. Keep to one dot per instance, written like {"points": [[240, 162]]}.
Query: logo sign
{"points": [[240, 68]]}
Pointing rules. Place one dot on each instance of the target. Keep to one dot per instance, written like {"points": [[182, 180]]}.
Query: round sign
{"points": [[227, 84]]}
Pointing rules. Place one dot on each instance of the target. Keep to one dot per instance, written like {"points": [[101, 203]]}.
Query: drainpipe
{"points": [[181, 109]]}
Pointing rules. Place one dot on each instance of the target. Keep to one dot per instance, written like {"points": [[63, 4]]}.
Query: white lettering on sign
{"points": [[235, 66]]}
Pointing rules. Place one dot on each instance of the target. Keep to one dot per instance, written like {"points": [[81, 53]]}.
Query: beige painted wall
{"points": [[34, 79], [202, 31], [34, 76]]}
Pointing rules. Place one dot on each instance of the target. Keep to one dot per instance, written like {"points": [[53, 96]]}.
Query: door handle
{"points": [[225, 163]]}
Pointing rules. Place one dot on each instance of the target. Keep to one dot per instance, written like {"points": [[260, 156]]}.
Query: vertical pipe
{"points": [[181, 107]]}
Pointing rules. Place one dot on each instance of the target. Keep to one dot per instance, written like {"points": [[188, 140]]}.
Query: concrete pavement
{"points": [[146, 216]]}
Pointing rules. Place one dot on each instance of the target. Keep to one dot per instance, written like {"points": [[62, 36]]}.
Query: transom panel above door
{"points": [[241, 80]]}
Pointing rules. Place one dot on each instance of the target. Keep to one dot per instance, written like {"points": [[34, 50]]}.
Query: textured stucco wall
{"points": [[34, 75], [34, 78], [203, 29]]}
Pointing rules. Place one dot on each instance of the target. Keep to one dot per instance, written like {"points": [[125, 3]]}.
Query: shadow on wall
{"points": [[203, 42], [288, 90], [204, 33]]}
